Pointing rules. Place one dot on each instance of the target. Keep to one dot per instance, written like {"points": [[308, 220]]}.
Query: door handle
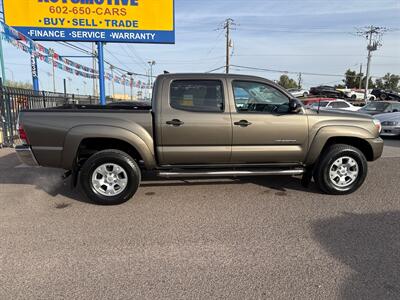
{"points": [[175, 122], [242, 123]]}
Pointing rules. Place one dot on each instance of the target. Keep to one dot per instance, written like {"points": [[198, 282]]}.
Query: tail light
{"points": [[22, 134]]}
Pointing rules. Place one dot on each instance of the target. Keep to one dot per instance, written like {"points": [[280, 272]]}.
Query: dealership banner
{"points": [[127, 21], [24, 43]]}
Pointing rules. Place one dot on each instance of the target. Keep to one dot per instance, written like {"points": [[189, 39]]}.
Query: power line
{"points": [[293, 72], [77, 48]]}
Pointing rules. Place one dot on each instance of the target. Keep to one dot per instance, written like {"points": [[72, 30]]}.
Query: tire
{"points": [[305, 95], [383, 96], [110, 177], [353, 97], [335, 180]]}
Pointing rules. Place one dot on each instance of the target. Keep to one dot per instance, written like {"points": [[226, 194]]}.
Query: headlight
{"points": [[377, 124]]}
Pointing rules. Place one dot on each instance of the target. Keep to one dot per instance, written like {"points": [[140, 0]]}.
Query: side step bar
{"points": [[228, 173]]}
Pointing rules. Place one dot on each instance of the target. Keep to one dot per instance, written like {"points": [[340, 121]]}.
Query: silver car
{"points": [[390, 123]]}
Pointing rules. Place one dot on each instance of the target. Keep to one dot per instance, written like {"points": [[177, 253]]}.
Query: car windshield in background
{"points": [[375, 106], [321, 104]]}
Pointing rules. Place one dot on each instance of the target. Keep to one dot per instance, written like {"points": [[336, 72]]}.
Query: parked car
{"points": [[196, 128], [390, 123], [327, 91], [379, 107], [309, 101], [357, 94], [335, 104], [385, 94], [299, 93]]}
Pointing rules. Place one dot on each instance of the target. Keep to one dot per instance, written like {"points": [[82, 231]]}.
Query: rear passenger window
{"points": [[197, 95]]}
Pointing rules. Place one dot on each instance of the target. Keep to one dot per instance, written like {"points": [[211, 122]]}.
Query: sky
{"points": [[315, 36]]}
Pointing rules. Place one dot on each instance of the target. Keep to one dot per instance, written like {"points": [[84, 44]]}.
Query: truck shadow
{"points": [[370, 245], [50, 180]]}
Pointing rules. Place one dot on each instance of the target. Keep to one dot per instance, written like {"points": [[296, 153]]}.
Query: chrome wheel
{"points": [[109, 180], [343, 172]]}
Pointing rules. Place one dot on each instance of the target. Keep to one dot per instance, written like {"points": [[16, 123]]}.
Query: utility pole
{"points": [[374, 35], [228, 27], [360, 83]]}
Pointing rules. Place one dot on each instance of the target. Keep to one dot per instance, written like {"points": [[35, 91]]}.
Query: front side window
{"points": [[339, 104], [197, 95], [259, 97]]}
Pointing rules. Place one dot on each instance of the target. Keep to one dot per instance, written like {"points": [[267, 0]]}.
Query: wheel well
{"points": [[89, 146], [358, 143]]}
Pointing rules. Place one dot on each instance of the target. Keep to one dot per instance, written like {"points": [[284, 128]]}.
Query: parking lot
{"points": [[233, 238]]}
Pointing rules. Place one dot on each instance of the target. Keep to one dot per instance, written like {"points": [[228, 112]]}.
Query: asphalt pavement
{"points": [[250, 238]]}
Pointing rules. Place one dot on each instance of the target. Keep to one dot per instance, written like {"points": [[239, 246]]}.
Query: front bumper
{"points": [[390, 131], [25, 155]]}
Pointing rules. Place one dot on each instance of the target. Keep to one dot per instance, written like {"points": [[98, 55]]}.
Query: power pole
{"points": [[374, 35], [228, 27], [360, 83]]}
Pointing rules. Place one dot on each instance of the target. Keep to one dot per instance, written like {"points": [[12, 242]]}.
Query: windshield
{"points": [[375, 106]]}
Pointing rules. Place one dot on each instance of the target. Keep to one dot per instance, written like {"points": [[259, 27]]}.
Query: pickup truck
{"points": [[201, 125]]}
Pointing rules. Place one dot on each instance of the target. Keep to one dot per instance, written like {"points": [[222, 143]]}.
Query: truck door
{"points": [[264, 131], [196, 126]]}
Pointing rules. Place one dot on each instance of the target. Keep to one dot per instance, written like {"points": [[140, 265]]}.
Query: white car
{"points": [[358, 94], [335, 104], [299, 93]]}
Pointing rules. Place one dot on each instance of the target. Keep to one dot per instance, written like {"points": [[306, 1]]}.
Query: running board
{"points": [[228, 173]]}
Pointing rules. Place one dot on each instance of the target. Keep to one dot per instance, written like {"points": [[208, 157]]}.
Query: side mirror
{"points": [[294, 106]]}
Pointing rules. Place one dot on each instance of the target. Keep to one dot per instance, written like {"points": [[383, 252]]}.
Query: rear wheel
{"points": [[110, 177], [341, 170]]}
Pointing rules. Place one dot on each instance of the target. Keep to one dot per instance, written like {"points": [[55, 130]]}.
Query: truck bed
{"points": [[47, 129]]}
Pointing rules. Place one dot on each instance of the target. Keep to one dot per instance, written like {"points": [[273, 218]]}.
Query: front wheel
{"points": [[110, 177], [341, 170]]}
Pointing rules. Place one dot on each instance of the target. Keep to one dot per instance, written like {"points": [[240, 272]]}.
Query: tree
{"points": [[388, 82], [18, 84], [287, 83], [352, 80]]}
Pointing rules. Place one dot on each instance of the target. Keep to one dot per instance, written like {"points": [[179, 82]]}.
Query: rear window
{"points": [[321, 104], [197, 95]]}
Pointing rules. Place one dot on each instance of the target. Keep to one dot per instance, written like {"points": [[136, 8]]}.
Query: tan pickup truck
{"points": [[201, 125]]}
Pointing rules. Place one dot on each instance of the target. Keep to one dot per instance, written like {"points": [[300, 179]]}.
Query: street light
{"points": [[130, 74], [151, 63]]}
